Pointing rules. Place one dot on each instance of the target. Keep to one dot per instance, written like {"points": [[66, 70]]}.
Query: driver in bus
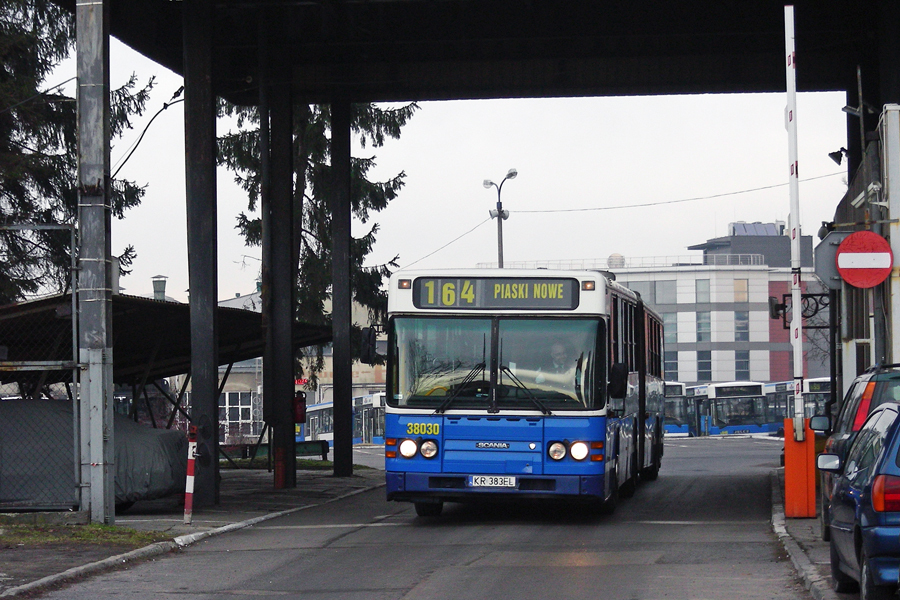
{"points": [[560, 362]]}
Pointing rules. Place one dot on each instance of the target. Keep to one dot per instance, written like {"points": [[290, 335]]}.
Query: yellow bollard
{"points": [[799, 472]]}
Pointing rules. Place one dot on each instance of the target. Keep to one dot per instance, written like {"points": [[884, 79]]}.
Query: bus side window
{"points": [[614, 356]]}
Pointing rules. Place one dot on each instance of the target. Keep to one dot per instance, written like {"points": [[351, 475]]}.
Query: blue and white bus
{"points": [[816, 394], [681, 415], [740, 407], [479, 407], [368, 421]]}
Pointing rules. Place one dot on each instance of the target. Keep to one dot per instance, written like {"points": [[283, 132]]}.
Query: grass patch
{"points": [[35, 535]]}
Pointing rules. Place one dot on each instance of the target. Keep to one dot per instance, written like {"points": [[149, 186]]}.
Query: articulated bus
{"points": [[507, 384], [740, 407]]}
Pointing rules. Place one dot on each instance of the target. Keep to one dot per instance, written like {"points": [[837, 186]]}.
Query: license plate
{"points": [[503, 481]]}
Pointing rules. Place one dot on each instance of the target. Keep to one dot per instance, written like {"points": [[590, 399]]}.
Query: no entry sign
{"points": [[864, 259]]}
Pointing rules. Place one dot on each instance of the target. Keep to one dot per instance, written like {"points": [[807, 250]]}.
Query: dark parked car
{"points": [[873, 388], [865, 508]]}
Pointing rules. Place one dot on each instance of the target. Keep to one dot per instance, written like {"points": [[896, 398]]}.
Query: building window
{"points": [[704, 365], [742, 365], [665, 292], [671, 365], [238, 424], [645, 289], [702, 291], [741, 326], [670, 326], [741, 290], [703, 325]]}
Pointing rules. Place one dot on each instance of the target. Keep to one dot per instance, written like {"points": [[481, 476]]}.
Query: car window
{"points": [[867, 447], [888, 390], [848, 408]]}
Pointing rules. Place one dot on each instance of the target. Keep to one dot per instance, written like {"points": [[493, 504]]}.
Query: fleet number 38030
{"points": [[423, 428]]}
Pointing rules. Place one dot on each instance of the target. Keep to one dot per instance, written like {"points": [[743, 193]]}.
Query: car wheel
{"points": [[867, 588], [840, 581], [429, 509], [825, 520]]}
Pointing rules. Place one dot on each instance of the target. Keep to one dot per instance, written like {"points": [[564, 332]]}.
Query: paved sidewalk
{"points": [[804, 545], [247, 497]]}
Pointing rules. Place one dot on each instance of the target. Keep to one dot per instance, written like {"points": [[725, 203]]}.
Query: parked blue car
{"points": [[865, 508]]}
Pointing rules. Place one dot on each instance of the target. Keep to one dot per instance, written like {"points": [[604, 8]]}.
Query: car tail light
{"points": [[886, 493], [863, 410]]}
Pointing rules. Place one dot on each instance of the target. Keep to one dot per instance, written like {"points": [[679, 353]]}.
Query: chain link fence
{"points": [[38, 377]]}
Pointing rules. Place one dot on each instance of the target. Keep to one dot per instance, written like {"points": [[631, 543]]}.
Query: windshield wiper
{"points": [[524, 388], [469, 378]]}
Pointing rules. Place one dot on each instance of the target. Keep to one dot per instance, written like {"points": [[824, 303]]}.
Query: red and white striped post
{"points": [[189, 483]]}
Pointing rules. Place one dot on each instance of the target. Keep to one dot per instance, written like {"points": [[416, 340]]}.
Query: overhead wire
{"points": [[134, 146], [642, 205], [663, 202]]}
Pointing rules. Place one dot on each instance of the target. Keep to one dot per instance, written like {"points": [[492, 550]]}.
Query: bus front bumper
{"points": [[416, 487]]}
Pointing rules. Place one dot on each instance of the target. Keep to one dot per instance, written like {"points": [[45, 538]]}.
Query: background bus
{"points": [[816, 394], [696, 397], [476, 408], [682, 419], [368, 421], [740, 407]]}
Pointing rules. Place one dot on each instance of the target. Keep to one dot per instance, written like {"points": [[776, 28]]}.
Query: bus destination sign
{"points": [[496, 293]]}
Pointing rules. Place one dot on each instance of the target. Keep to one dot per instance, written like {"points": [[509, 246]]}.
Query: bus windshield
{"points": [[541, 364], [739, 411]]}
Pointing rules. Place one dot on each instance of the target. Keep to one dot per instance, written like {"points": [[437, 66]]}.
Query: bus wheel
{"points": [[652, 472], [429, 509]]}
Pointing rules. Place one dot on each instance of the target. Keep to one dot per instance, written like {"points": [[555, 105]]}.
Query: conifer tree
{"points": [[313, 194], [38, 151]]}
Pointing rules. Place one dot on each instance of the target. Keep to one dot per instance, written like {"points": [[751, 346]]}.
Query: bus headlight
{"points": [[408, 448], [578, 450], [557, 451], [429, 449]]}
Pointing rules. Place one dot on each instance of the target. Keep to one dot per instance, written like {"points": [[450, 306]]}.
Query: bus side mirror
{"points": [[618, 381], [367, 352]]}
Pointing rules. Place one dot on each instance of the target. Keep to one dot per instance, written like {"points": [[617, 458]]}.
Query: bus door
{"points": [[313, 427], [692, 414]]}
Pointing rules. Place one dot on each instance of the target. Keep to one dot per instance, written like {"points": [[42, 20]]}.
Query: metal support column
{"points": [[341, 293], [284, 277], [200, 173], [95, 263]]}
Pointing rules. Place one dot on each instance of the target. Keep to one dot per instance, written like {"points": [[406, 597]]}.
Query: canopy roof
{"points": [[151, 338]]}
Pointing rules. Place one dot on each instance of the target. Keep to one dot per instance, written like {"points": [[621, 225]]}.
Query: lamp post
{"points": [[499, 213]]}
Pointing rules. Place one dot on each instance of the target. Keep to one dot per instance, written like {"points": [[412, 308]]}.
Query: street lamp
{"points": [[499, 213]]}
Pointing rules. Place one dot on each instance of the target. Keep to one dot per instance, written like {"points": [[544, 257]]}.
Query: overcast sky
{"points": [[702, 161]]}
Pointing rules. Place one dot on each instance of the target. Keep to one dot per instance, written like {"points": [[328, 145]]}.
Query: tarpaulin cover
{"points": [[37, 457]]}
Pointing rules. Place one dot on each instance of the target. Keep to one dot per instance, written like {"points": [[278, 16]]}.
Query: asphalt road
{"points": [[701, 531]]}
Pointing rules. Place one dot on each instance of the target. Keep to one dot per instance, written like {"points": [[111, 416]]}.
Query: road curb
{"points": [[818, 586], [160, 548]]}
